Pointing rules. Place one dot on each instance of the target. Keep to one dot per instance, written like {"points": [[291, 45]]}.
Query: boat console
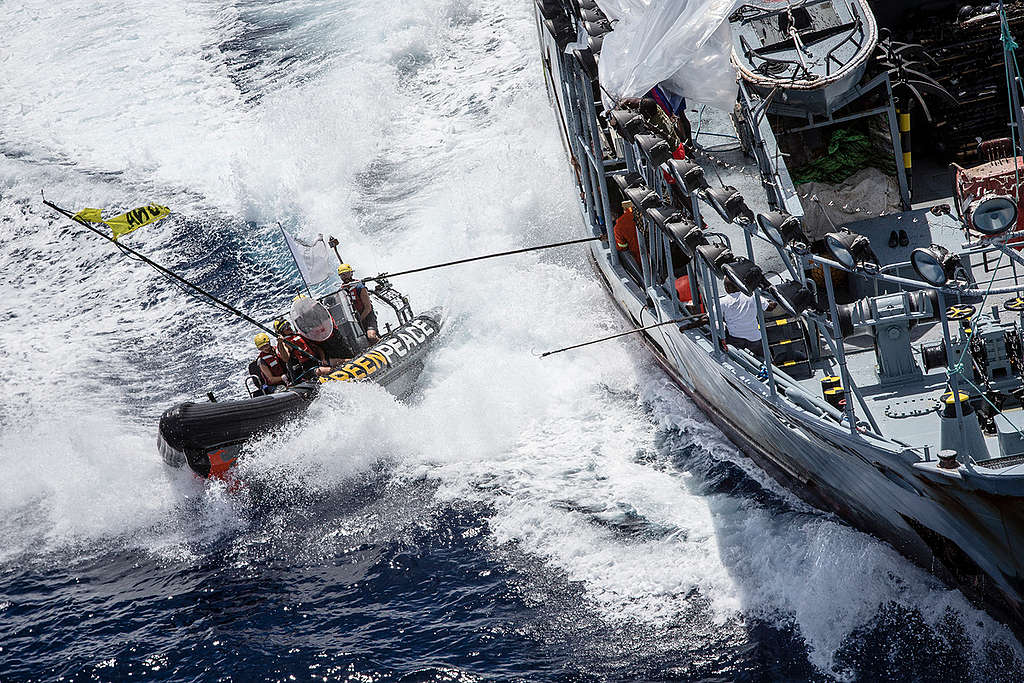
{"points": [[339, 314]]}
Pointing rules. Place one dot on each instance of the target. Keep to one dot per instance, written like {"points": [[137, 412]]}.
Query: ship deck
{"points": [[905, 412]]}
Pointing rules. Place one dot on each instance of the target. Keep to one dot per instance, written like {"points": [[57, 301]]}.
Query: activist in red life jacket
{"points": [[296, 352], [359, 297], [271, 366]]}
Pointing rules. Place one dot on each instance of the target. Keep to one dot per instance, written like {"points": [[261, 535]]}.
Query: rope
{"points": [[958, 367]]}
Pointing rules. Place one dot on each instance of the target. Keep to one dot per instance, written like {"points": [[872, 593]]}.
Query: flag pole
{"points": [[148, 261]]}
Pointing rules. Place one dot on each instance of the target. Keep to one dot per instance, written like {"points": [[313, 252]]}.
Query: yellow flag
{"points": [[126, 222], [90, 215], [136, 218]]}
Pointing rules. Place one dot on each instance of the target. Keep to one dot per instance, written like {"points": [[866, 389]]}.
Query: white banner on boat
{"points": [[682, 44], [312, 258]]}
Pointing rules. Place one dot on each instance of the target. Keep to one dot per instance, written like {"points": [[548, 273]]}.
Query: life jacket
{"points": [[625, 235], [273, 363], [678, 153], [305, 354], [683, 290], [354, 296]]}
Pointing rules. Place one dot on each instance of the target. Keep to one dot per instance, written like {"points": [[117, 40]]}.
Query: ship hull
{"points": [[840, 473], [938, 519]]}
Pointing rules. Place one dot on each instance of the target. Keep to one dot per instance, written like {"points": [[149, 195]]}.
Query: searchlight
{"points": [[849, 248], [782, 229], [935, 265]]}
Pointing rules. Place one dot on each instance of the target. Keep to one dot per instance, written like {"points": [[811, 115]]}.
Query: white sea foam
{"points": [[418, 132]]}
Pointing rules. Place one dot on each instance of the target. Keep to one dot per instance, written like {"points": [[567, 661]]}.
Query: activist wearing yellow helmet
{"points": [[261, 339], [344, 268]]}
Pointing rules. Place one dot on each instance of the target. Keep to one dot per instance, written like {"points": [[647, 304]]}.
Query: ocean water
{"points": [[567, 519]]}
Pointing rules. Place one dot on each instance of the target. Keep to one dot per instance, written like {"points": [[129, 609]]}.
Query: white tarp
{"points": [[684, 44], [313, 259]]}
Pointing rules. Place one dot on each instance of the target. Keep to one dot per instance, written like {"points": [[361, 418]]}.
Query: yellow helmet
{"points": [[261, 339], [300, 296], [344, 268], [278, 324]]}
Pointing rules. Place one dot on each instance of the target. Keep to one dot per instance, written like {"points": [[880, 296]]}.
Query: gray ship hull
{"points": [[951, 522], [933, 518]]}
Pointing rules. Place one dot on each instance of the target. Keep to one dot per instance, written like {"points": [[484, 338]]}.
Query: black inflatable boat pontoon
{"points": [[208, 436]]}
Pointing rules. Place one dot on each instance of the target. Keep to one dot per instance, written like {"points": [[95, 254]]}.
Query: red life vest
{"points": [[273, 363], [354, 292], [306, 353], [683, 290], [679, 153], [625, 235]]}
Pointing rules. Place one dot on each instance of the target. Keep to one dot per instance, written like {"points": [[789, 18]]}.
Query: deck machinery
{"points": [[895, 386]]}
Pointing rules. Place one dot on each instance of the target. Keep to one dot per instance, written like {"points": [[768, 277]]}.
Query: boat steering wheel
{"points": [[961, 312], [1016, 304]]}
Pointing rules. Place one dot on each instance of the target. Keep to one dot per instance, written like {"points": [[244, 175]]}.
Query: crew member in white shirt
{"points": [[739, 312]]}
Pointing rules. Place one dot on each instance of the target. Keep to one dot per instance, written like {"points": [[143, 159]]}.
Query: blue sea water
{"points": [[567, 519]]}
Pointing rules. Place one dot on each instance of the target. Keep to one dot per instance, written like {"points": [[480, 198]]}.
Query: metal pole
{"points": [[906, 104], [714, 320], [954, 381], [840, 352], [765, 346], [894, 132], [689, 320], [150, 262]]}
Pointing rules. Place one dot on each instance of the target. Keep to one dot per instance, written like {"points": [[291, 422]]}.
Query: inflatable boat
{"points": [[208, 436]]}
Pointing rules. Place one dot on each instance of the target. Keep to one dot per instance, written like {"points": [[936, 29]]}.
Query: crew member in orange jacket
{"points": [[625, 232]]}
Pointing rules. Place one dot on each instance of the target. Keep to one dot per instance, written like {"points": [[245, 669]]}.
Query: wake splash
{"points": [[416, 133]]}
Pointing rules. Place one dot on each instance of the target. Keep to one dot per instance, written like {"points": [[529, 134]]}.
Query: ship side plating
{"points": [[900, 454]]}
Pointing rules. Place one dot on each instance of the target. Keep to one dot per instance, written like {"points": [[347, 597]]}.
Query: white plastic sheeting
{"points": [[682, 44]]}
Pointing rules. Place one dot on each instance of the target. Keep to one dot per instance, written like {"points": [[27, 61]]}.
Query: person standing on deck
{"points": [[359, 297], [625, 232], [739, 312]]}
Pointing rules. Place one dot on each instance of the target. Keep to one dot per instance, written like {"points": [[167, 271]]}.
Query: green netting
{"points": [[848, 152]]}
